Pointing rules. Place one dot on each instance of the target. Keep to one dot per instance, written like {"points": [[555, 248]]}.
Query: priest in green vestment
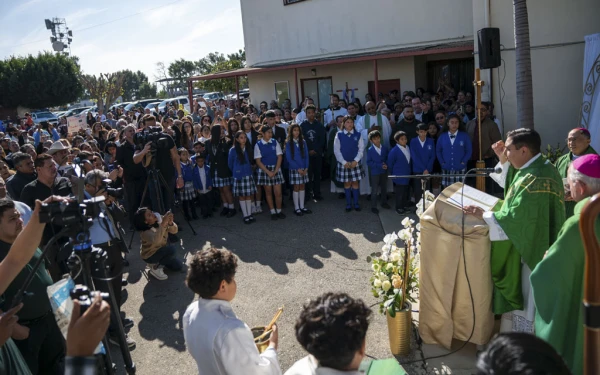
{"points": [[579, 142], [557, 281], [523, 226]]}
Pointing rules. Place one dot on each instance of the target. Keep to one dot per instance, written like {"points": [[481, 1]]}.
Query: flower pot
{"points": [[399, 331]]}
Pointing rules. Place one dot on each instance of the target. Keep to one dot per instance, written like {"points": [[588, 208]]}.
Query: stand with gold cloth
{"points": [[445, 311]]}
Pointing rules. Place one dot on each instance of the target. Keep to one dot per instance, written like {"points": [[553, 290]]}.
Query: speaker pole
{"points": [[480, 181]]}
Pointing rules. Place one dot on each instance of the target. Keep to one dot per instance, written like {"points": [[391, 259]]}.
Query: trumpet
{"points": [[262, 335]]}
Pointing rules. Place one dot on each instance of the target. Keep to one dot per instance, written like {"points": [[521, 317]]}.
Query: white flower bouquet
{"points": [[395, 272]]}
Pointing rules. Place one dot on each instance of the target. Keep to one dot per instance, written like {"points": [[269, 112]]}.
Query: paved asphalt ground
{"points": [[285, 262]]}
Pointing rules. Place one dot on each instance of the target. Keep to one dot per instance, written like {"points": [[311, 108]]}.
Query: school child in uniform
{"points": [[399, 165], [377, 156], [336, 186], [187, 194], [422, 154], [268, 156], [217, 149], [296, 154], [243, 181], [348, 148], [203, 185], [453, 150]]}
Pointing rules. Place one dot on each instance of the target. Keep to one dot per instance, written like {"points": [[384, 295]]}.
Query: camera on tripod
{"points": [[86, 297], [153, 134]]}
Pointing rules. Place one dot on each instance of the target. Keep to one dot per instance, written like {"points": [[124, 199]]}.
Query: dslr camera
{"points": [[71, 214], [153, 134], [116, 193], [85, 297]]}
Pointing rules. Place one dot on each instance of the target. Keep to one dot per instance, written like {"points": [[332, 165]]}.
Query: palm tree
{"points": [[523, 65]]}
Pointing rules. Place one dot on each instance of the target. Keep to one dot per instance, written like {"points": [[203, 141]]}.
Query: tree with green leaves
{"points": [[104, 89], [132, 83], [41, 81], [217, 62], [146, 91]]}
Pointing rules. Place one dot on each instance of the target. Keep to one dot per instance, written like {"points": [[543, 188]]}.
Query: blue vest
{"points": [[349, 144], [268, 152]]}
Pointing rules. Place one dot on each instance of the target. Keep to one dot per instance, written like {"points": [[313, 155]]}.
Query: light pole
{"points": [[61, 35]]}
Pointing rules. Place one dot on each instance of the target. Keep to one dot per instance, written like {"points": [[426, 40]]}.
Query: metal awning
{"points": [[461, 46]]}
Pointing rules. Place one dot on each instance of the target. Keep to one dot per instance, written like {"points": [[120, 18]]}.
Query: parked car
{"points": [[75, 111], [140, 103], [213, 96], [118, 105], [44, 116], [181, 100]]}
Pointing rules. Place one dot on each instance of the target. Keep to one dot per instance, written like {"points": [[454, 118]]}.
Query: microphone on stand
{"points": [[489, 170]]}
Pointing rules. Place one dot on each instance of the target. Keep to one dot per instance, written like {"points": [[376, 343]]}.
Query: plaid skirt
{"points": [[348, 175], [296, 178], [263, 179], [187, 192], [221, 182], [244, 186], [447, 181]]}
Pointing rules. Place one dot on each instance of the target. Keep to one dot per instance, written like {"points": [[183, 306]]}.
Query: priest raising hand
{"points": [[523, 227]]}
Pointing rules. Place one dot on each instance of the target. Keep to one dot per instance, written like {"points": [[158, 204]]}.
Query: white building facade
{"points": [[300, 48]]}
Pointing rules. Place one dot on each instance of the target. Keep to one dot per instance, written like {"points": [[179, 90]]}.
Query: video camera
{"points": [[152, 134], [71, 214]]}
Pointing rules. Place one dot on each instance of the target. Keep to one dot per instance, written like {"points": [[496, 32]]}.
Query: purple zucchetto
{"points": [[588, 165]]}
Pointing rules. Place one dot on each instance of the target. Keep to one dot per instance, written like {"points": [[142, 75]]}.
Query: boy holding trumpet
{"points": [[220, 342]]}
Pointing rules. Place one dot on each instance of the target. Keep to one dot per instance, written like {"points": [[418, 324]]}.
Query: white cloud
{"points": [[21, 8]]}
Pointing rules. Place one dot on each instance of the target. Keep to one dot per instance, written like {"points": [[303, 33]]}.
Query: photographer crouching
{"points": [[104, 234]]}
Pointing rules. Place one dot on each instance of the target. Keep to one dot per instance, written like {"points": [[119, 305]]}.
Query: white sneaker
{"points": [[259, 209], [254, 209], [158, 273]]}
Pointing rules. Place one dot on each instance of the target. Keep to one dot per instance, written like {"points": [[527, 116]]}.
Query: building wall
{"points": [[312, 29], [357, 75], [557, 71]]}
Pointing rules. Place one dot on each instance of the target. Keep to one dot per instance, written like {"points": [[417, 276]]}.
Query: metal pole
{"points": [[190, 95], [480, 181], [237, 88]]}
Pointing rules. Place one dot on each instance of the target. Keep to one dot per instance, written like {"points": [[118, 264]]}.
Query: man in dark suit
{"points": [[278, 132]]}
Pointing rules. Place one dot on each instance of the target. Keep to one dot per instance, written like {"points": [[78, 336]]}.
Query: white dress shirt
{"points": [[327, 118], [222, 344], [406, 151], [300, 117], [310, 366], [337, 151], [451, 138], [202, 175]]}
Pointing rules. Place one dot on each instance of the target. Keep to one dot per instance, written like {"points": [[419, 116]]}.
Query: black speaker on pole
{"points": [[488, 42]]}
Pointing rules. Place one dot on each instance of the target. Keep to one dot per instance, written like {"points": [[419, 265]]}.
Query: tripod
{"points": [[87, 259], [156, 179]]}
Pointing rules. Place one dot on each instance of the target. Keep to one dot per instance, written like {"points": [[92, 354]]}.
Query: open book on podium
{"points": [[469, 196], [445, 310]]}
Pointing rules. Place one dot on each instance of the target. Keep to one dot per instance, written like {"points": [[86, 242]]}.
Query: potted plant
{"points": [[395, 282]]}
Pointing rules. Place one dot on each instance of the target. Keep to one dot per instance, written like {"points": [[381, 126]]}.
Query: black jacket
{"points": [[218, 158], [124, 158], [17, 182], [314, 135]]}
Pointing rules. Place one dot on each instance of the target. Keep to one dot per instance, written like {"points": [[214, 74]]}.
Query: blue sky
{"points": [[165, 30]]}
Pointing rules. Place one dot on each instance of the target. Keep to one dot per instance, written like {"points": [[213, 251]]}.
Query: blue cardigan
{"points": [[375, 161], [422, 156], [454, 157], [398, 165], [297, 162], [186, 171], [239, 170], [198, 181]]}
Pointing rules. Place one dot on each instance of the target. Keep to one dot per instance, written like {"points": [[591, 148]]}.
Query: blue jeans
{"points": [[165, 256]]}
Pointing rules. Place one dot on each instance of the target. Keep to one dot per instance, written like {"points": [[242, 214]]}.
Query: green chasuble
{"points": [[531, 216], [557, 284], [562, 164]]}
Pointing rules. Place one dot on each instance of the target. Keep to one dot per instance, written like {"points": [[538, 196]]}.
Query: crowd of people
{"points": [[230, 156]]}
